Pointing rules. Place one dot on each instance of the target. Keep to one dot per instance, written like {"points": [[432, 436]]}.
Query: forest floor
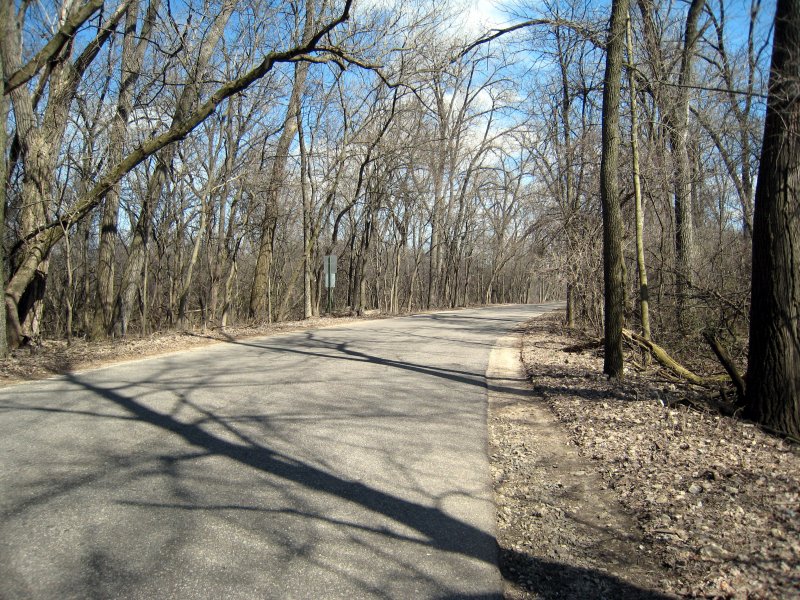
{"points": [[603, 489], [712, 503]]}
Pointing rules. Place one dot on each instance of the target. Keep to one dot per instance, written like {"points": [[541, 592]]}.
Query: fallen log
{"points": [[727, 362], [670, 363]]}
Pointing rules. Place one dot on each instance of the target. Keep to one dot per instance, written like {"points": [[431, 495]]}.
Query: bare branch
{"points": [[53, 47], [40, 242], [581, 29]]}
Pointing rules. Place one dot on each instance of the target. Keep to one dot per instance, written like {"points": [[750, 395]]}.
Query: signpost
{"points": [[329, 266]]}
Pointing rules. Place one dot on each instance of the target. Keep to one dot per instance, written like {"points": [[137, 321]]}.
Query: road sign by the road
{"points": [[329, 264]]}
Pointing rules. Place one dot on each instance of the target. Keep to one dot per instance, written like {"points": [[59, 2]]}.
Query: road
{"points": [[346, 462]]}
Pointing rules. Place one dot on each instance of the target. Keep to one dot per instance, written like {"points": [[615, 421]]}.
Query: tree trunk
{"points": [[261, 280], [435, 270], [360, 281], [644, 300], [69, 293], [134, 266], [130, 67], [308, 238], [225, 319], [613, 273], [678, 134], [87, 314], [3, 179], [183, 296], [39, 140], [286, 300], [773, 377]]}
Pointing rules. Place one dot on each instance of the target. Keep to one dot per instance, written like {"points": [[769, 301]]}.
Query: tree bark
{"points": [[266, 240], [130, 67], [3, 179], [644, 300], [613, 271], [773, 376], [308, 240], [678, 125], [566, 162], [183, 295]]}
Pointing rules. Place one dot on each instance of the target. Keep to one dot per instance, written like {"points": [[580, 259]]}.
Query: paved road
{"points": [[347, 462]]}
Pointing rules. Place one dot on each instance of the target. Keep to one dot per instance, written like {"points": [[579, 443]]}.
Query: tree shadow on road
{"points": [[317, 348], [442, 531]]}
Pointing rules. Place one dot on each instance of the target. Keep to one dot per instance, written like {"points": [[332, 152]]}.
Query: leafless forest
{"points": [[188, 164]]}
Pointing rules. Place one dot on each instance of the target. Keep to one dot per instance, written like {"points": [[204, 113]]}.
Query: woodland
{"points": [[187, 165]]}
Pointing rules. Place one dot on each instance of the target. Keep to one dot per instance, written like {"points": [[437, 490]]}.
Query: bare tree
{"points": [[261, 292], [38, 139], [641, 267], [134, 45], [42, 236], [613, 267], [186, 104], [773, 376]]}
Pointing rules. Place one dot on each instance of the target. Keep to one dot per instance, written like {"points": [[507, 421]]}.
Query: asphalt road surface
{"points": [[347, 462]]}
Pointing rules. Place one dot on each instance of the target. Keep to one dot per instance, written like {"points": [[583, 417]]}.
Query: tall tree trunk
{"points": [[3, 179], [187, 102], [773, 376], [225, 319], [570, 316], [69, 292], [435, 250], [183, 295], [360, 279], [678, 125], [38, 155], [613, 270], [308, 239], [565, 163], [131, 276], [437, 218], [644, 300], [130, 68], [261, 281]]}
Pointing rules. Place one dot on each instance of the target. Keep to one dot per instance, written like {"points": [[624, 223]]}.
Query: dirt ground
{"points": [[636, 491]]}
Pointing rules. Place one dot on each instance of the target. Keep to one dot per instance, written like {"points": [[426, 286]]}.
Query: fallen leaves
{"points": [[718, 498]]}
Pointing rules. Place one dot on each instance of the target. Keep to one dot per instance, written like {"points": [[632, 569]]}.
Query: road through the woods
{"points": [[347, 462]]}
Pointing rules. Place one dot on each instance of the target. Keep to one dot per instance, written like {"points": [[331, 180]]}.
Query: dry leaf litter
{"points": [[714, 501]]}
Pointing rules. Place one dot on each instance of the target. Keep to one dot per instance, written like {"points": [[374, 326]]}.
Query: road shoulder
{"points": [[561, 532]]}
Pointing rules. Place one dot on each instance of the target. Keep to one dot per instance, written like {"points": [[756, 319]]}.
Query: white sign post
{"points": [[329, 267]]}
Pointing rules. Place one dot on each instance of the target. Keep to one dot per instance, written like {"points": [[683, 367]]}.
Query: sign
{"points": [[329, 265]]}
